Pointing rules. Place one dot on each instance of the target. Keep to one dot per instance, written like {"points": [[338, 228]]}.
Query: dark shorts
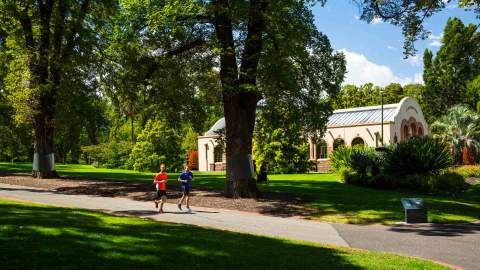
{"points": [[161, 193], [186, 190]]}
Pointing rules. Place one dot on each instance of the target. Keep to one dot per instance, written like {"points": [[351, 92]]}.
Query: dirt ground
{"points": [[271, 203]]}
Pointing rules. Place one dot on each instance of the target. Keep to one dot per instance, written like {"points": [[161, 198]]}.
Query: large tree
{"points": [[448, 73], [243, 36], [44, 34]]}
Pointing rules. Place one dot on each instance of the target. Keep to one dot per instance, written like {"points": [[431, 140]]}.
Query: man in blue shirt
{"points": [[185, 178]]}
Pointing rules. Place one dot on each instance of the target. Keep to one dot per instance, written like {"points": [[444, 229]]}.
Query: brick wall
{"points": [[218, 167], [323, 165]]}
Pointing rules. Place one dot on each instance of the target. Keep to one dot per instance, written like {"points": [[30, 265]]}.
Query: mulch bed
{"points": [[271, 203]]}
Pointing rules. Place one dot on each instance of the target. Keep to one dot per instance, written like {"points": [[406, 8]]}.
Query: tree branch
{"points": [[224, 32], [253, 43], [194, 17], [71, 38], [26, 23], [174, 52]]}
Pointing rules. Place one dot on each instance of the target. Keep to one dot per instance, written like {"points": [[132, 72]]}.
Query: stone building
{"points": [[362, 125]]}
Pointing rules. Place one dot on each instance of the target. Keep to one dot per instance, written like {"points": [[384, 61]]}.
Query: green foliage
{"points": [[459, 129], [468, 170], [448, 73], [280, 151], [447, 183], [190, 140], [157, 143], [369, 95], [419, 164], [424, 155], [341, 158], [356, 164], [108, 155]]}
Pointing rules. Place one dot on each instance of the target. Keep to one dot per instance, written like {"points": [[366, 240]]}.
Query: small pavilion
{"points": [[349, 127]]}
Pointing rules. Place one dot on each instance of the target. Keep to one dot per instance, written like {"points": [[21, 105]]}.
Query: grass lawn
{"points": [[44, 237], [335, 201]]}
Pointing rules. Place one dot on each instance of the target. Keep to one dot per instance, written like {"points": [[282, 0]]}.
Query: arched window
{"points": [[420, 130], [395, 139], [218, 153], [358, 141], [413, 130], [321, 149], [405, 133], [337, 143]]}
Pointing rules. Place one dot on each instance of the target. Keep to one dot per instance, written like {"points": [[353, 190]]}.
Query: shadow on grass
{"points": [[448, 230], [352, 204], [37, 237], [309, 195]]}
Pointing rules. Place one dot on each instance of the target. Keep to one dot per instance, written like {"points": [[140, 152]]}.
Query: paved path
{"points": [[453, 244], [220, 219]]}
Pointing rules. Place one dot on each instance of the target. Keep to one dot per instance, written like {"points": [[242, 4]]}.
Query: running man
{"points": [[160, 181], [186, 177]]}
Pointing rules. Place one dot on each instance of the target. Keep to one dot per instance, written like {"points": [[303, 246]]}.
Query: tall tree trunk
{"points": [[239, 109], [44, 157], [240, 95]]}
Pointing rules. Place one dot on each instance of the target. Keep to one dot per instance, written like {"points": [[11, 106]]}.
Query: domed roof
{"points": [[220, 124]]}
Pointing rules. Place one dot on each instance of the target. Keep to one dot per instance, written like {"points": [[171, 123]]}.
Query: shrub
{"points": [[417, 156], [447, 183], [468, 170], [109, 155], [380, 181], [157, 143], [193, 160], [282, 152], [364, 161], [340, 158]]}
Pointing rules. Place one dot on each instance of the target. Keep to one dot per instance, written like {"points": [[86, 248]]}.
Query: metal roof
{"points": [[216, 127], [343, 117], [362, 115]]}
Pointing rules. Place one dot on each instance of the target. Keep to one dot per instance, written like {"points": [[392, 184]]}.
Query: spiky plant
{"points": [[460, 129]]}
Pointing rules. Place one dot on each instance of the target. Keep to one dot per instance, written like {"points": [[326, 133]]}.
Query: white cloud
{"points": [[391, 48], [360, 71], [376, 20], [435, 41], [413, 60]]}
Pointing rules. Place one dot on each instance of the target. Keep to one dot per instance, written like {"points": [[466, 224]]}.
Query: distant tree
{"points": [[393, 93], [448, 73], [189, 140], [157, 143]]}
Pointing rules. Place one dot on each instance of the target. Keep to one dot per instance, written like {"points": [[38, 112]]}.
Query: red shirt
{"points": [[159, 177]]}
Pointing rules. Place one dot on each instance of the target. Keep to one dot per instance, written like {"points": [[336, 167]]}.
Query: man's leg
{"points": [[164, 198], [156, 199], [179, 204], [188, 201]]}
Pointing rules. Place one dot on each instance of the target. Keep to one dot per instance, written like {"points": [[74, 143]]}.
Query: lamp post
{"points": [[381, 98]]}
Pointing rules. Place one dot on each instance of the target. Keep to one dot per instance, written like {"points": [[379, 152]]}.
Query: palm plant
{"points": [[460, 129]]}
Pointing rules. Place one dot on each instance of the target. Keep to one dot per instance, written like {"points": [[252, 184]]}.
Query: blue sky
{"points": [[374, 51]]}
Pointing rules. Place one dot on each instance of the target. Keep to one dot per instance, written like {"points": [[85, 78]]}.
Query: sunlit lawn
{"points": [[334, 201], [44, 237]]}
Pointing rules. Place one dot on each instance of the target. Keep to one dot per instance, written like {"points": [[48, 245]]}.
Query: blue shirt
{"points": [[186, 176]]}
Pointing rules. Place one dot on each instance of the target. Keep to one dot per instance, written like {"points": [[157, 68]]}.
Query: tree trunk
{"points": [[239, 109], [44, 157], [133, 131]]}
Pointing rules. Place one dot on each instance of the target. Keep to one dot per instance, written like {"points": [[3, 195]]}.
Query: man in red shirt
{"points": [[160, 182]]}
